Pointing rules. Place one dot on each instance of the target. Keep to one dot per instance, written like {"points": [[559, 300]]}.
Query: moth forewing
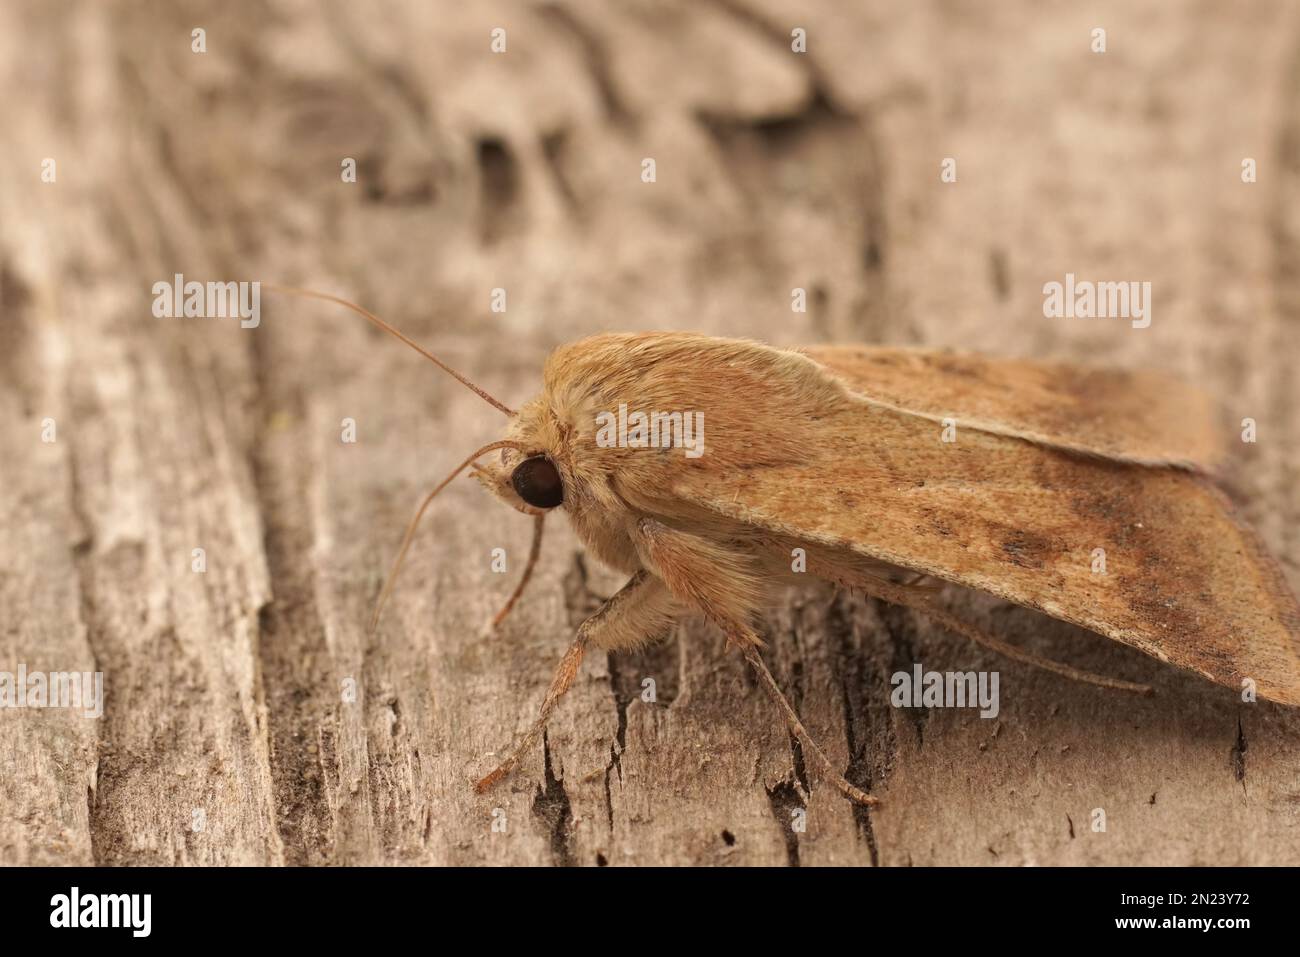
{"points": [[1133, 416], [1020, 519]]}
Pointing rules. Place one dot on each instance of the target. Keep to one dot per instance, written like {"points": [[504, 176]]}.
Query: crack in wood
{"points": [[553, 811]]}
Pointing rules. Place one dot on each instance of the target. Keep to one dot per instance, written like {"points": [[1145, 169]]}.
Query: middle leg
{"points": [[723, 585]]}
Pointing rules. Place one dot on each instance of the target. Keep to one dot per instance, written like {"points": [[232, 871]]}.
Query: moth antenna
{"points": [[312, 294], [534, 551], [415, 522]]}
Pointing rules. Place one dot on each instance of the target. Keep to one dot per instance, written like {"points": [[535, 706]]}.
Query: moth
{"points": [[887, 470]]}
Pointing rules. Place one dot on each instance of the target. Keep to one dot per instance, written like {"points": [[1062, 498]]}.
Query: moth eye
{"points": [[537, 482]]}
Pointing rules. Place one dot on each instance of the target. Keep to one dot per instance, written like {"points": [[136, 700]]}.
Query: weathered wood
{"points": [[226, 690]]}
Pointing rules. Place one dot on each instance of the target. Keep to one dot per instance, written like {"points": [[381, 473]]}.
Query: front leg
{"points": [[638, 612]]}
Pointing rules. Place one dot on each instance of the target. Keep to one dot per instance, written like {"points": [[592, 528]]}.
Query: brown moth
{"points": [[847, 453]]}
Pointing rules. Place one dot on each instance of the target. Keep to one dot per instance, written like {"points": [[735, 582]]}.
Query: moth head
{"points": [[529, 473], [532, 473]]}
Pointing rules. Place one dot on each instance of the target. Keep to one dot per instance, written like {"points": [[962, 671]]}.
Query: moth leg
{"points": [[800, 732], [909, 597], [631, 616], [534, 551], [721, 585]]}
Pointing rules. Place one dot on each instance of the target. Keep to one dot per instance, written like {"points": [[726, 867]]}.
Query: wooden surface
{"points": [[522, 171]]}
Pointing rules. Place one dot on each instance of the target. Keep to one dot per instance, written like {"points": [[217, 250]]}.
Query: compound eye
{"points": [[537, 482]]}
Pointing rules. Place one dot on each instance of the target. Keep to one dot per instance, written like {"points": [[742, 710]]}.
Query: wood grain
{"points": [[225, 691]]}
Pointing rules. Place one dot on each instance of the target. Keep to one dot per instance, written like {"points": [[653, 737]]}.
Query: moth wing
{"points": [[1150, 556], [1144, 417]]}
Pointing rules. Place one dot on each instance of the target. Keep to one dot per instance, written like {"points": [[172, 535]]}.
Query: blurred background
{"points": [[214, 139]]}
